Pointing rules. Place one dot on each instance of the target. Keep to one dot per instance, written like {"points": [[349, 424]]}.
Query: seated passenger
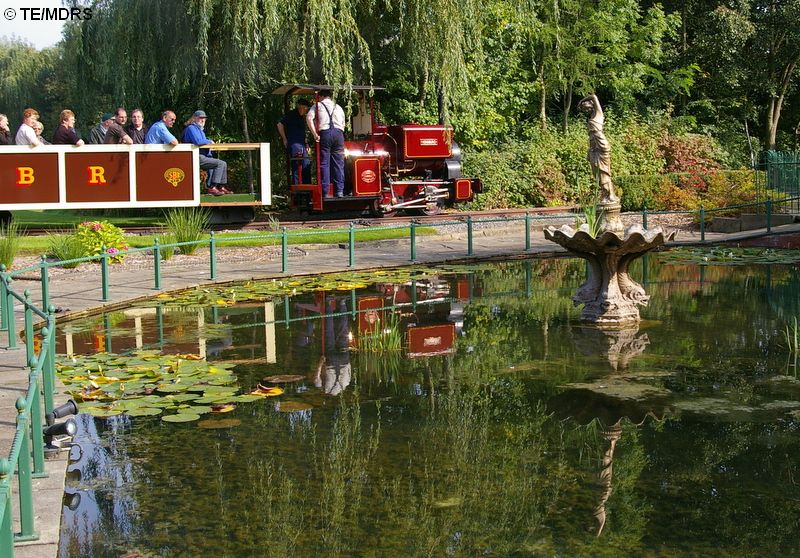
{"points": [[116, 134], [5, 131], [26, 135], [65, 134], [98, 134], [38, 127], [217, 168], [137, 129], [159, 131]]}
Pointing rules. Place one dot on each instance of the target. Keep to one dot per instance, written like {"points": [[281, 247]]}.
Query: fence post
{"points": [[284, 251], [28, 313], [25, 486], [527, 231], [212, 253], [702, 224], [412, 228], [469, 235], [36, 427], [45, 282], [3, 324], [49, 369], [6, 529], [156, 265], [104, 273], [351, 245], [769, 215], [12, 338], [644, 218]]}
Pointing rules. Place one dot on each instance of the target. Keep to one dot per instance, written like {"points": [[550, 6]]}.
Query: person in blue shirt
{"points": [[292, 129], [159, 132], [217, 169]]}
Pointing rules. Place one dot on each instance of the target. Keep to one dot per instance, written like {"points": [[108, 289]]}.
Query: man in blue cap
{"points": [[98, 134], [217, 168]]}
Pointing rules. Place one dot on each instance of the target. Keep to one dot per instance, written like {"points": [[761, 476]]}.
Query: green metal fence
{"points": [[779, 171], [26, 455]]}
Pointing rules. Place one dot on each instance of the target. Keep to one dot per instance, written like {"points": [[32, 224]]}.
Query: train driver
{"points": [[292, 129]]}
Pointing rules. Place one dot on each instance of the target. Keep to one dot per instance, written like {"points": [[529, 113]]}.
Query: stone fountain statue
{"points": [[610, 297]]}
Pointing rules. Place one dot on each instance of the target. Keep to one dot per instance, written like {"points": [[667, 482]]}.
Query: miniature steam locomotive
{"points": [[411, 167]]}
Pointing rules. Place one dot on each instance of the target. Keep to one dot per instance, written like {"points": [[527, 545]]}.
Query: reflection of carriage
{"points": [[387, 168]]}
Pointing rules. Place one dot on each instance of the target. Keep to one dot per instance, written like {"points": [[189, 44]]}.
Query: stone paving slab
{"points": [[84, 295]]}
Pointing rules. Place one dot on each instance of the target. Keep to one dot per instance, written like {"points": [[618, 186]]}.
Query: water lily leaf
{"points": [[218, 423], [222, 408], [293, 406], [216, 398], [171, 388], [283, 378], [246, 398], [145, 412], [181, 417], [200, 409], [103, 412], [263, 391]]}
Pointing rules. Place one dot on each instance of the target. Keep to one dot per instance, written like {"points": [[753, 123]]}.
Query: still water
{"points": [[462, 414]]}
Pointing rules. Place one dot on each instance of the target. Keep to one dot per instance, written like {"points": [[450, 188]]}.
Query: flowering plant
{"points": [[95, 235]]}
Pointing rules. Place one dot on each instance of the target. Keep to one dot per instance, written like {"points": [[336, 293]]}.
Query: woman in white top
{"points": [[26, 135]]}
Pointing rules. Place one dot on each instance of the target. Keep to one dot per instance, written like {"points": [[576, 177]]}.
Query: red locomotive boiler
{"points": [[409, 167]]}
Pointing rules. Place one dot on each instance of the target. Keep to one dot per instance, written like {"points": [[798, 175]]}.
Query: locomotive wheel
{"points": [[431, 208], [376, 211]]}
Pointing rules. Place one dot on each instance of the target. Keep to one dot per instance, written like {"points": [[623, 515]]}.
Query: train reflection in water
{"points": [[327, 336]]}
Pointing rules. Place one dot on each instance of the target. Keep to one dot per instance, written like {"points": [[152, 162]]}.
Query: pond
{"points": [[453, 411]]}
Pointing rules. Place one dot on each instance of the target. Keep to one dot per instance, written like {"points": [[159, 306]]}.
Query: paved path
{"points": [[81, 293]]}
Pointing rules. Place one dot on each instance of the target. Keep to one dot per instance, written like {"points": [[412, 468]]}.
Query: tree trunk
{"points": [[542, 102], [776, 104], [249, 153], [567, 108]]}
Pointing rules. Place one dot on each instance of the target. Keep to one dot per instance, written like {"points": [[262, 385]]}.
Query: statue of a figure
{"points": [[599, 148]]}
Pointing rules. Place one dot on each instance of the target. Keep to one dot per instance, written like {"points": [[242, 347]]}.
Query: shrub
{"points": [[94, 235], [672, 197], [187, 225], [692, 154], [9, 242], [65, 246]]}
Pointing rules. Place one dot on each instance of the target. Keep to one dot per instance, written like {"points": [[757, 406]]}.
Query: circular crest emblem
{"points": [[368, 176], [174, 176]]}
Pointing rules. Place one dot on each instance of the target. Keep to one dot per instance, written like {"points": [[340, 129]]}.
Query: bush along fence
{"points": [[26, 456]]}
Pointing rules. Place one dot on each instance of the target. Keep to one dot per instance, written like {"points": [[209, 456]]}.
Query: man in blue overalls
{"points": [[328, 132]]}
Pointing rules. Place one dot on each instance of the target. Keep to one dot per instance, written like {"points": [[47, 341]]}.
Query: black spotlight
{"points": [[68, 408], [67, 428]]}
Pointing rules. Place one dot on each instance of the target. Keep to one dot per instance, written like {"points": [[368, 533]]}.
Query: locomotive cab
{"points": [[409, 167]]}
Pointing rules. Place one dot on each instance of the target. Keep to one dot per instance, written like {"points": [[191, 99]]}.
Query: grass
{"points": [[65, 246], [9, 242], [41, 244], [64, 219]]}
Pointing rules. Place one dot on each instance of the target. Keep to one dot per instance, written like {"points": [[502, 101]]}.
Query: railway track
{"points": [[291, 221]]}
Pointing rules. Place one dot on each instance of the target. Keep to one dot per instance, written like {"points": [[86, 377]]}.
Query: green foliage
{"points": [[65, 246], [9, 242], [592, 218], [166, 250], [187, 225], [95, 236]]}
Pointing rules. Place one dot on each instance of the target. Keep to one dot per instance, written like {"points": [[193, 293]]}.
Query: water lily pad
{"points": [[262, 391], [218, 423], [145, 412], [246, 398], [222, 408], [181, 417], [103, 412], [293, 406], [283, 378], [199, 409]]}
